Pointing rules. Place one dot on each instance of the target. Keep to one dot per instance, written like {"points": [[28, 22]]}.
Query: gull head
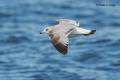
{"points": [[45, 30]]}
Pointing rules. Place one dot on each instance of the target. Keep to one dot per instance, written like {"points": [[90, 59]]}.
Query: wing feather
{"points": [[60, 40], [68, 22]]}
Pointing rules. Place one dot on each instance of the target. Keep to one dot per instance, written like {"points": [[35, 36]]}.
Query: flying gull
{"points": [[59, 34]]}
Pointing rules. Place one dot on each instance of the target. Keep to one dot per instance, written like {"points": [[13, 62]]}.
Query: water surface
{"points": [[27, 55]]}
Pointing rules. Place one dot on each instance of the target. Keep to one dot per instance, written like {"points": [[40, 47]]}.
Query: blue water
{"points": [[27, 55]]}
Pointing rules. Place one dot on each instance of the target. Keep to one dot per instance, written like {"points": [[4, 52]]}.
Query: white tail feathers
{"points": [[85, 31]]}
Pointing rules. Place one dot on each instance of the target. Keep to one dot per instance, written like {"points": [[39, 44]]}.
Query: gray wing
{"points": [[60, 41], [68, 22]]}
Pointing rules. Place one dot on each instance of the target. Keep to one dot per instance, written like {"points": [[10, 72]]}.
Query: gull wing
{"points": [[68, 22], [60, 40]]}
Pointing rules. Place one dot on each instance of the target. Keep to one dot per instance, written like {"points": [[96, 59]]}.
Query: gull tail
{"points": [[90, 33]]}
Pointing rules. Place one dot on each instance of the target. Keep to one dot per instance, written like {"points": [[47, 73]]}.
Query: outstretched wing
{"points": [[60, 41], [68, 22]]}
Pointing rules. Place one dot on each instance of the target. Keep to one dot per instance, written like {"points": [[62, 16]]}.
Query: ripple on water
{"points": [[16, 39], [5, 15]]}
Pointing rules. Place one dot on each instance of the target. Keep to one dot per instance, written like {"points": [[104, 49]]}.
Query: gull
{"points": [[59, 34]]}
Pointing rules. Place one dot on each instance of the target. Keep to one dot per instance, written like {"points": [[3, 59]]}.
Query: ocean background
{"points": [[27, 55]]}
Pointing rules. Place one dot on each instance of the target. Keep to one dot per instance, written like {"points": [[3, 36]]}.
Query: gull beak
{"points": [[40, 32]]}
